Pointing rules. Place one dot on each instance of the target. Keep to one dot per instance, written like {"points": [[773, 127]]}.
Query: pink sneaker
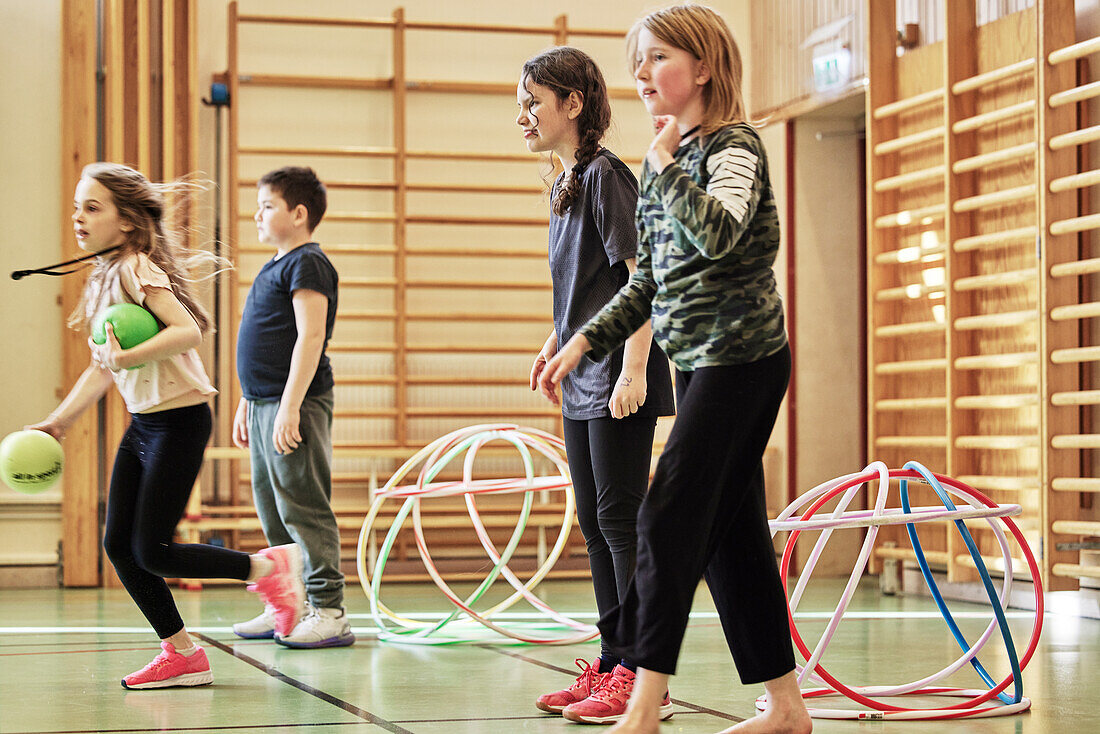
{"points": [[172, 669], [584, 686], [283, 588], [608, 704]]}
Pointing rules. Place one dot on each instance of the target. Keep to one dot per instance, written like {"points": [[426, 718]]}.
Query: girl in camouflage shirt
{"points": [[708, 236]]}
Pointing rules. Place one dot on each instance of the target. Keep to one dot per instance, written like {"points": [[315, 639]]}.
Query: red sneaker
{"points": [[608, 704], [172, 669], [283, 588], [584, 686]]}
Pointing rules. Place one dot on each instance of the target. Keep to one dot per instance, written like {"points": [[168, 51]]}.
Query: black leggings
{"points": [[155, 469], [609, 462], [705, 516]]}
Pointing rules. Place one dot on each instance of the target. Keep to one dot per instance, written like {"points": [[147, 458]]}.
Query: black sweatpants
{"points": [[155, 469], [609, 462], [705, 516]]}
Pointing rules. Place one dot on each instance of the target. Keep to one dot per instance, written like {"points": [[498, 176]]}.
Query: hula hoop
{"points": [[978, 506], [433, 458]]}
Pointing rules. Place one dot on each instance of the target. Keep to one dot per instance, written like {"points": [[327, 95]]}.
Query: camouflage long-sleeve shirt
{"points": [[708, 233]]}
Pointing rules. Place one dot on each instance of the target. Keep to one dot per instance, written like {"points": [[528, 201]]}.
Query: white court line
{"points": [[40, 630]]}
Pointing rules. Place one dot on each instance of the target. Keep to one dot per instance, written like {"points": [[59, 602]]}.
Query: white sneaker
{"points": [[322, 627], [261, 627]]}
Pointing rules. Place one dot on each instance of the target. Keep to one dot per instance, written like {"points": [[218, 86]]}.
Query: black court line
{"points": [[230, 727], [305, 687], [550, 666]]}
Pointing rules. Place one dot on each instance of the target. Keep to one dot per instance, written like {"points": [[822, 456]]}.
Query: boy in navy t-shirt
{"points": [[285, 414]]}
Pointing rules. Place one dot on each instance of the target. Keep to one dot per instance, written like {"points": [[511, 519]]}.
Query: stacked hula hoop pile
{"points": [[977, 703], [465, 623]]}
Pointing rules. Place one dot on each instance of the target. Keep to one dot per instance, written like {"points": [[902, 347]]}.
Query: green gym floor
{"points": [[62, 653]]}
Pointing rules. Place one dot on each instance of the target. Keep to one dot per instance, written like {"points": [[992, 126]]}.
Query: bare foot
{"points": [[772, 721], [636, 724]]}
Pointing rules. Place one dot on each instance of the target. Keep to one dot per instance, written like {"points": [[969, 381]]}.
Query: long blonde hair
{"points": [[145, 206], [704, 34]]}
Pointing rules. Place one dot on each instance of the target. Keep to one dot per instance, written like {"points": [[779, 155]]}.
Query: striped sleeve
{"points": [[732, 173]]}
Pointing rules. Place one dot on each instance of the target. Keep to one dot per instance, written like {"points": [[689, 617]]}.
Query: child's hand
{"points": [[240, 425], [52, 425], [109, 355], [564, 362], [628, 396], [286, 435]]}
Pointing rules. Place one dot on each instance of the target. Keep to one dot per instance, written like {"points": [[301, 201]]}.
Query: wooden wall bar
{"points": [[976, 323]]}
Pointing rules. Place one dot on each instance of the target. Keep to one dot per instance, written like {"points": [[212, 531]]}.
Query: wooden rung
{"points": [[996, 361], [996, 320], [1080, 397], [908, 442], [480, 317], [977, 122], [505, 252], [907, 141], [349, 282], [996, 198], [306, 81], [1076, 311], [1077, 137], [480, 285], [339, 249], [996, 239], [996, 157], [1076, 527], [1076, 441], [364, 413], [1076, 484], [338, 347], [1075, 51], [481, 412], [1076, 94], [303, 20], [473, 348], [349, 151], [913, 291], [348, 216], [464, 220], [1076, 268], [1075, 571], [361, 380], [1075, 224], [996, 280], [996, 402], [1075, 181], [911, 404], [917, 100], [1013, 484], [937, 558], [345, 314], [935, 173], [1075, 355], [995, 75], [921, 327], [908, 254], [911, 216], [915, 365], [466, 380], [1002, 443]]}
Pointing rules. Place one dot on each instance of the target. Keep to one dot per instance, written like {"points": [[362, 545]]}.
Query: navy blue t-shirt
{"points": [[265, 340]]}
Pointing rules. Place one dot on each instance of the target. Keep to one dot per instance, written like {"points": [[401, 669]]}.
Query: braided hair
{"points": [[566, 70]]}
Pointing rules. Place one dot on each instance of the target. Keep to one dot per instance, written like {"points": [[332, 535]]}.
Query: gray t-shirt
{"points": [[587, 248]]}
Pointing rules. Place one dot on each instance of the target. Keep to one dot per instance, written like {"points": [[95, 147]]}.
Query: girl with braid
{"points": [[609, 405], [709, 233]]}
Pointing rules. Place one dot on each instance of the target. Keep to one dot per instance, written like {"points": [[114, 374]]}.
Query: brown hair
{"points": [[565, 70], [298, 185], [704, 34], [144, 206]]}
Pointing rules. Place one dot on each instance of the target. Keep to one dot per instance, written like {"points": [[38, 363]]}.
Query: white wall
{"points": [[30, 207]]}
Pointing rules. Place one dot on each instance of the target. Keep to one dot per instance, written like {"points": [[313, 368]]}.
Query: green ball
{"points": [[132, 325], [30, 461]]}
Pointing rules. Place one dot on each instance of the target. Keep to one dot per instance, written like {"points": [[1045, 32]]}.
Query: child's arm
{"points": [[179, 334], [310, 317], [715, 219], [549, 349], [630, 390], [89, 388]]}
